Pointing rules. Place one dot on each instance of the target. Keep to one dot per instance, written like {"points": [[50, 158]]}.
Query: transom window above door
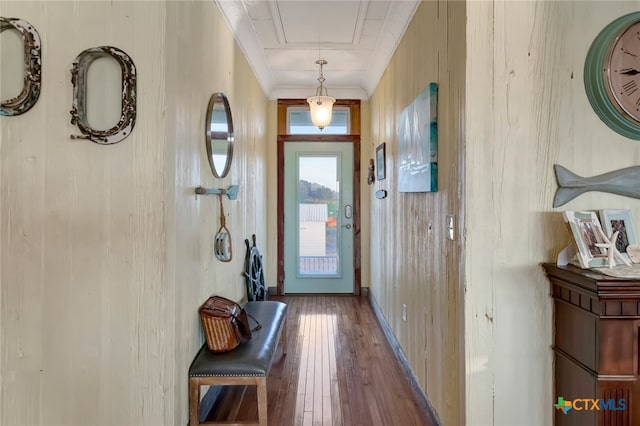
{"points": [[299, 122]]}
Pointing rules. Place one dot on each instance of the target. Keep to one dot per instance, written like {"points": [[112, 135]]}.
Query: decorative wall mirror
{"points": [[31, 69], [127, 120], [218, 135]]}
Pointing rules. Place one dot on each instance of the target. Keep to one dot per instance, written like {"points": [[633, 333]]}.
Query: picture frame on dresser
{"points": [[587, 231], [621, 221]]}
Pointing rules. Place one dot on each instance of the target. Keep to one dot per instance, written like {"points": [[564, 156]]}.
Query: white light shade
{"points": [[320, 107]]}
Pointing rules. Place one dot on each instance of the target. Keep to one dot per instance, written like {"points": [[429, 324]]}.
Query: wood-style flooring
{"points": [[338, 371]]}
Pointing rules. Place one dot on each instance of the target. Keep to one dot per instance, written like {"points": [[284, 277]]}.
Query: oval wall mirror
{"points": [[219, 135]]}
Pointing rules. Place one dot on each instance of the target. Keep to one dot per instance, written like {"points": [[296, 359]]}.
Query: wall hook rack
{"points": [[231, 192]]}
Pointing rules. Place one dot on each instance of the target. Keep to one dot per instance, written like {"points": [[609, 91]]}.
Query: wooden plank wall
{"points": [[203, 58], [412, 262], [105, 252], [526, 109]]}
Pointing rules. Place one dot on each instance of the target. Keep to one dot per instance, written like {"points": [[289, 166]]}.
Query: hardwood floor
{"points": [[338, 371]]}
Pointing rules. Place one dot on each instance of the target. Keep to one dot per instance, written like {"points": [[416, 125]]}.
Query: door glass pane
{"points": [[318, 203]]}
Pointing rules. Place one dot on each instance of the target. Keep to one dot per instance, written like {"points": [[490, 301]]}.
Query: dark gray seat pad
{"points": [[252, 358]]}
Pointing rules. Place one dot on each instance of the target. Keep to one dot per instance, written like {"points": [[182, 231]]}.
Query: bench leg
{"points": [[262, 401], [194, 397], [194, 401]]}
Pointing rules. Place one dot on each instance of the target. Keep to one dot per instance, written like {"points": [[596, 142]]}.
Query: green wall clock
{"points": [[612, 75]]}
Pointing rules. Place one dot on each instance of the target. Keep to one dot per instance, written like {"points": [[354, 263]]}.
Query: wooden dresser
{"points": [[597, 318]]}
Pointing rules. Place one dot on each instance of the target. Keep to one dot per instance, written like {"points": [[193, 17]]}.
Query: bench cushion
{"points": [[252, 358]]}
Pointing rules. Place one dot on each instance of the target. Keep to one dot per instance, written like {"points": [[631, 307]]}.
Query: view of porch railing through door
{"points": [[318, 265]]}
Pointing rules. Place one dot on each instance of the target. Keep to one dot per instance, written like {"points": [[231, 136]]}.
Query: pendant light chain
{"points": [[321, 79]]}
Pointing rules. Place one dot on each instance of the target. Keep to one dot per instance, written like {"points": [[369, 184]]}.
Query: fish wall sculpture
{"points": [[620, 182]]}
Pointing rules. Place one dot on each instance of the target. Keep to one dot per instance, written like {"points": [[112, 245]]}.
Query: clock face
{"points": [[612, 75], [624, 72]]}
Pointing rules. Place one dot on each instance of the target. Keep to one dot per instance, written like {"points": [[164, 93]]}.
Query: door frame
{"points": [[354, 139]]}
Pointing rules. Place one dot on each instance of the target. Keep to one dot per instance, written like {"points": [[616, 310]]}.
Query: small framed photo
{"points": [[619, 220], [380, 161], [587, 232]]}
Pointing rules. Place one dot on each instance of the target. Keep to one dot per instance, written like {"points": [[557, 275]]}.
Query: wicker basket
{"points": [[225, 324]]}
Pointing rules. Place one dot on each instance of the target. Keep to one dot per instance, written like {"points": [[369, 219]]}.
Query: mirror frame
{"points": [[32, 68], [209, 136], [127, 120]]}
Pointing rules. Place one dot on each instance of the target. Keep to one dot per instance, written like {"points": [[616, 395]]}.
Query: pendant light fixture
{"points": [[321, 104]]}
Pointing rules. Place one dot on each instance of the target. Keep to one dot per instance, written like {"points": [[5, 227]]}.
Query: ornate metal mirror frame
{"points": [[32, 61], [127, 120]]}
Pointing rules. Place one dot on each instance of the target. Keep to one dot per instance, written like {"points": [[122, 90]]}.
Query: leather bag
{"points": [[225, 324]]}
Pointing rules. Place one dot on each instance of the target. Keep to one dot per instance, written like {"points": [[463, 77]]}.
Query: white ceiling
{"points": [[283, 39]]}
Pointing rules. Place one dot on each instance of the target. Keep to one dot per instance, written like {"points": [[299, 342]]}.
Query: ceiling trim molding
{"points": [[237, 18], [277, 22], [304, 93], [362, 14], [390, 36], [398, 16]]}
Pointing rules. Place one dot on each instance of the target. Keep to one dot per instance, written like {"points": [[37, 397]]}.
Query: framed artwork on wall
{"points": [[418, 143], [380, 161]]}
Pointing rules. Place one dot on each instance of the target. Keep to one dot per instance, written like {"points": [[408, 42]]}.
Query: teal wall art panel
{"points": [[418, 143]]}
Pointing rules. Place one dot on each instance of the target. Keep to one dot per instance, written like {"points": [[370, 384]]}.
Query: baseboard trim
{"points": [[421, 396]]}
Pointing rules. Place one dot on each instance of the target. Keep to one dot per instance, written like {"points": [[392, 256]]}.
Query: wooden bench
{"points": [[248, 364]]}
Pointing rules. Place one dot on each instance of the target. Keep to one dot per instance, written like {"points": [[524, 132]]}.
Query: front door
{"points": [[318, 217]]}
